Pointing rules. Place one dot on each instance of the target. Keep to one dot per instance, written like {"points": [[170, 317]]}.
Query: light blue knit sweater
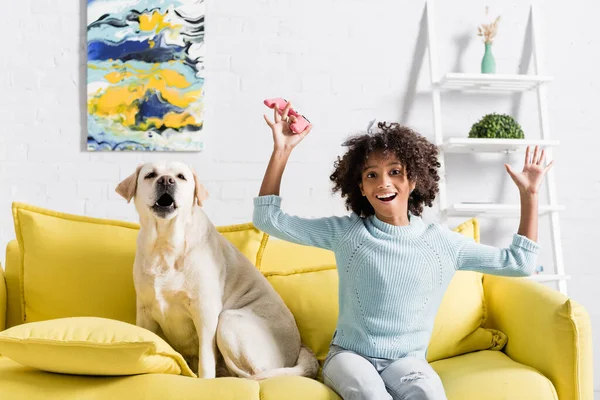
{"points": [[392, 278]]}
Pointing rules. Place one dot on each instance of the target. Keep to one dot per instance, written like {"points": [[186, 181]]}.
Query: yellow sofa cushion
{"points": [[91, 346], [492, 375], [19, 382], [73, 265], [306, 278], [295, 388]]}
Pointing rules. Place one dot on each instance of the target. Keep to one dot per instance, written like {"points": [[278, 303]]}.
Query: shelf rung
{"points": [[483, 145], [548, 277], [494, 210], [492, 82]]}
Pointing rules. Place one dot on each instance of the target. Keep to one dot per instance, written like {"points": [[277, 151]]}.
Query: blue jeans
{"points": [[356, 377]]}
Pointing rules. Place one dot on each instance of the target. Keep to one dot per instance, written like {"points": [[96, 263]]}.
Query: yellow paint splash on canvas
{"points": [[155, 22], [120, 102], [170, 120]]}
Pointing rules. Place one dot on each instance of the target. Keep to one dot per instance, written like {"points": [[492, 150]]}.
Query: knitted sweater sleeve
{"points": [[318, 232], [518, 259]]}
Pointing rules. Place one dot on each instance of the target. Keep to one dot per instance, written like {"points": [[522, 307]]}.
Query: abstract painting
{"points": [[145, 75]]}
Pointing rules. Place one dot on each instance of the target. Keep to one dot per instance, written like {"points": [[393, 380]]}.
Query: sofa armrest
{"points": [[12, 271], [3, 300], [546, 331]]}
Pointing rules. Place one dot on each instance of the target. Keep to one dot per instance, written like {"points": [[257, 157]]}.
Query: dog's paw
{"points": [[207, 372]]}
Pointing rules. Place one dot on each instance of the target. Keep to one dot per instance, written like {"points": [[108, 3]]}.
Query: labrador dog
{"points": [[195, 289]]}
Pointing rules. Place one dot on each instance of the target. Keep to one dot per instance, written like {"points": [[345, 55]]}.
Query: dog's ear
{"points": [[200, 192], [127, 187]]}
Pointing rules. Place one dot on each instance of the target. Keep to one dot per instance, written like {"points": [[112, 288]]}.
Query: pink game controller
{"points": [[297, 126]]}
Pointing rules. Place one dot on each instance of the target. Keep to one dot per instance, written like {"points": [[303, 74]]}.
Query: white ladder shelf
{"points": [[496, 83]]}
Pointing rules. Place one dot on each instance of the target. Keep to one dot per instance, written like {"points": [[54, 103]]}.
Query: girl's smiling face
{"points": [[386, 186]]}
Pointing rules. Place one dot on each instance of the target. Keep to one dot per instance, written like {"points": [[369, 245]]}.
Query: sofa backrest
{"points": [[64, 265]]}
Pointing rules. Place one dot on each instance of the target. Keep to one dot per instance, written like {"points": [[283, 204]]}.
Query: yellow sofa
{"points": [[493, 338]]}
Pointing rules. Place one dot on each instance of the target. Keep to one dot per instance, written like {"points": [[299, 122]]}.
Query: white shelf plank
{"points": [[493, 210], [492, 82], [484, 145], [548, 277]]}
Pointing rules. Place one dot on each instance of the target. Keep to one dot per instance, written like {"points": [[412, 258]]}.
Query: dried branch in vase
{"points": [[488, 31]]}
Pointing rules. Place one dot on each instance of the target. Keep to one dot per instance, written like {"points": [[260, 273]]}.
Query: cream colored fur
{"points": [[196, 290]]}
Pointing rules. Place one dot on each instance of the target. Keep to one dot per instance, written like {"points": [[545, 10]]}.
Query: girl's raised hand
{"points": [[283, 137], [529, 180]]}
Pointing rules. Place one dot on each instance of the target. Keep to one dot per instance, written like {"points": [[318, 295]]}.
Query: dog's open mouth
{"points": [[165, 203], [166, 200]]}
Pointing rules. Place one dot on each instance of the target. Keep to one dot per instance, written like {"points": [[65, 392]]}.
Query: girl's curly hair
{"points": [[415, 152]]}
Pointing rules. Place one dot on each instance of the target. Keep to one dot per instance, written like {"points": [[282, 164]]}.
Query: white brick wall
{"points": [[343, 63]]}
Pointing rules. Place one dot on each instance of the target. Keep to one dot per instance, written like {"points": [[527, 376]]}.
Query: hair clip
{"points": [[370, 126]]}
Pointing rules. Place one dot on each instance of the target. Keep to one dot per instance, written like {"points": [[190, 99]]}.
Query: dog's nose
{"points": [[166, 180]]}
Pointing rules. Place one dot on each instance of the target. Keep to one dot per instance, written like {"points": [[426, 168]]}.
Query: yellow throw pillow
{"points": [[71, 265], [247, 239], [306, 278], [91, 346], [458, 326]]}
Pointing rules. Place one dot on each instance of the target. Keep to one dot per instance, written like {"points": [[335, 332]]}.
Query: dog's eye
{"points": [[150, 175], [181, 176]]}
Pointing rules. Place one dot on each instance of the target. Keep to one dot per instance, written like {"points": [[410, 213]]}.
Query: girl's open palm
{"points": [[530, 179], [283, 137]]}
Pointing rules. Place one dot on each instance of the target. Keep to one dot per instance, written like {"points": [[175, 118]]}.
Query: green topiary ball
{"points": [[494, 125]]}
